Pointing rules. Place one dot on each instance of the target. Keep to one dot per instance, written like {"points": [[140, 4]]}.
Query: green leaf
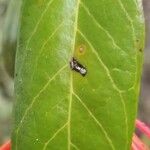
{"points": [[57, 108]]}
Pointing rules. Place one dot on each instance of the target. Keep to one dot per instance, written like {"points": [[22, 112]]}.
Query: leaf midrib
{"points": [[71, 76]]}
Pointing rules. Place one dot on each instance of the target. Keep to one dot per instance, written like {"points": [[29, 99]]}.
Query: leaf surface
{"points": [[57, 108]]}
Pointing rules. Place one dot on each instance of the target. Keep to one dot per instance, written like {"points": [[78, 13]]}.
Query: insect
{"points": [[75, 65]]}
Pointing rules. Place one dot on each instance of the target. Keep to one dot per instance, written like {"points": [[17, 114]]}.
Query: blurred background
{"points": [[8, 32]]}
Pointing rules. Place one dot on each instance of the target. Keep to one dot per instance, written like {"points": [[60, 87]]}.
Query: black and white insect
{"points": [[75, 65]]}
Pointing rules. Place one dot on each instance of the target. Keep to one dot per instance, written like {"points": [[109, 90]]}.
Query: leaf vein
{"points": [[133, 35], [39, 21], [35, 98], [34, 31], [110, 78], [102, 28], [96, 120], [54, 135], [42, 47], [73, 145]]}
